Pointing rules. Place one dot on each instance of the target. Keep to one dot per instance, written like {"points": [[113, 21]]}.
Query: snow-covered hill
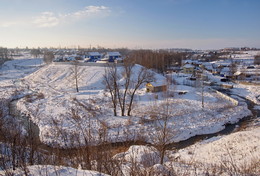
{"points": [[54, 101]]}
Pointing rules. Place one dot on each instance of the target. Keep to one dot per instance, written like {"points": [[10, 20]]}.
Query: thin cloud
{"points": [[92, 10], [7, 24], [47, 19], [12, 23], [50, 19]]}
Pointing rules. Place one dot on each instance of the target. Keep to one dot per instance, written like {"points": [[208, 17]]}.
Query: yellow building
{"points": [[188, 69], [156, 87]]}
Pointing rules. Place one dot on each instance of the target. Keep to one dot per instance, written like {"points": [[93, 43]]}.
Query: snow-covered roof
{"points": [[158, 83], [94, 54], [248, 72], [206, 63], [119, 59], [225, 69], [237, 73], [113, 54], [209, 67], [188, 66]]}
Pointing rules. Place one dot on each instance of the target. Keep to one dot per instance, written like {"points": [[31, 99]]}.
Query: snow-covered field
{"points": [[12, 71], [247, 57]]}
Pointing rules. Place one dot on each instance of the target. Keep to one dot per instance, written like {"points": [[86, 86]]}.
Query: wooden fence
{"points": [[235, 102]]}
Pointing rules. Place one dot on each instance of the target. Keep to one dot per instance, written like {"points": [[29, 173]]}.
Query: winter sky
{"points": [[196, 24]]}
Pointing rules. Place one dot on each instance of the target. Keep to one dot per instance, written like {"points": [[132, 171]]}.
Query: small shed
{"points": [[156, 87]]}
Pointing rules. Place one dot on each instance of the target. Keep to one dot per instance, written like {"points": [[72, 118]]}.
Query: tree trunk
{"points": [[77, 87], [130, 104], [115, 113], [162, 154]]}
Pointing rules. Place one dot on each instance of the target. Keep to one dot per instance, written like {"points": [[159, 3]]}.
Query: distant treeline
{"points": [[4, 55], [157, 60]]}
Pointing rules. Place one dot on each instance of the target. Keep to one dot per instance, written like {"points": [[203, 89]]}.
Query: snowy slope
{"points": [[240, 148]]}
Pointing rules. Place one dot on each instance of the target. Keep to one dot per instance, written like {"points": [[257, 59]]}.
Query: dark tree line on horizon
{"points": [[4, 54], [157, 60]]}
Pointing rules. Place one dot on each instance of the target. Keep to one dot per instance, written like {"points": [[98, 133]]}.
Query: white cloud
{"points": [[7, 24], [10, 23], [92, 11], [49, 19]]}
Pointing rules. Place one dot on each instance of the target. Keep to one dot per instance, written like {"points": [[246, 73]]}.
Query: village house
{"points": [[248, 74], [93, 56], [207, 66], [112, 57], [188, 69], [156, 87], [226, 72]]}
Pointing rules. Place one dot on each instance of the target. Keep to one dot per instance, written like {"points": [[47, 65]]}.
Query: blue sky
{"points": [[196, 24]]}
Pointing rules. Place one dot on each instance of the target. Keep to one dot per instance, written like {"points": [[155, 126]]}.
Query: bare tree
{"points": [[4, 55], [164, 131], [257, 59], [122, 92], [232, 68], [48, 57], [111, 83], [143, 76], [36, 52], [76, 74], [122, 95]]}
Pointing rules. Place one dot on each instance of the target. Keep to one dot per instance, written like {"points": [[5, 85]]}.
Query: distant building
{"points": [[93, 56], [232, 49], [112, 56], [248, 74], [188, 69], [206, 65], [225, 71]]}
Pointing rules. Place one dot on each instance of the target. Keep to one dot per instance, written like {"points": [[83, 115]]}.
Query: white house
{"points": [[112, 56], [93, 56]]}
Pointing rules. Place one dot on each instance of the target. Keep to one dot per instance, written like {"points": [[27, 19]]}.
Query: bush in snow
{"points": [[145, 155]]}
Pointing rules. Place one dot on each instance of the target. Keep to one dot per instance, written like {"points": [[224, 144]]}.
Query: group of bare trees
{"points": [[122, 82], [257, 59], [157, 60], [36, 52], [48, 57], [18, 148], [4, 55]]}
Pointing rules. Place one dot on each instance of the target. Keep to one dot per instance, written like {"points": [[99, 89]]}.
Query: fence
{"points": [[194, 83], [252, 83], [235, 102]]}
